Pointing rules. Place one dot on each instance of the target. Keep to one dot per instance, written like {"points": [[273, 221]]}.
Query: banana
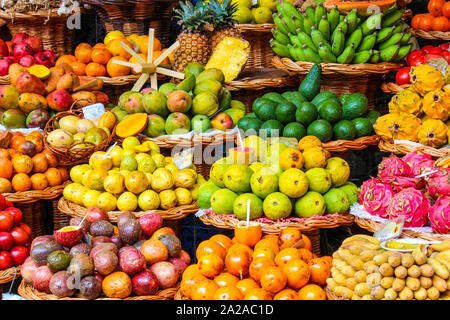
{"points": [[319, 13], [299, 52], [406, 37], [362, 56], [298, 23], [333, 17], [394, 39], [375, 57], [371, 24], [398, 27], [343, 25], [318, 37], [292, 51], [280, 49], [403, 52], [443, 246], [355, 37], [289, 22], [310, 55], [362, 237], [280, 26], [311, 13], [368, 42], [439, 268], [352, 18], [280, 36], [308, 23], [325, 54], [338, 42], [324, 27], [347, 55], [384, 34], [305, 39], [294, 40], [288, 9], [390, 53], [391, 18]]}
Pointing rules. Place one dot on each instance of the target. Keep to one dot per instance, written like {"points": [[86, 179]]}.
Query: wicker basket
{"points": [[50, 27], [339, 146], [431, 35], [387, 146], [75, 210], [258, 35], [391, 87], [73, 155], [34, 215], [31, 196], [9, 274], [60, 219], [28, 292]]}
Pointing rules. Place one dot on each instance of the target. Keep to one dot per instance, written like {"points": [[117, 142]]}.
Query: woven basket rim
{"points": [[7, 275], [170, 141], [51, 13], [347, 145], [75, 210], [431, 35], [30, 196], [261, 27], [28, 292], [392, 87], [402, 148]]}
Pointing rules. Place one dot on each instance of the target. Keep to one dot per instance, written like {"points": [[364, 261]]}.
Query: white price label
{"points": [[93, 111]]}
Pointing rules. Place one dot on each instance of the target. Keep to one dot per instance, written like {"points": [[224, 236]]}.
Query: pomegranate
{"points": [[35, 43], [42, 58], [4, 67], [22, 49], [3, 48], [27, 61], [19, 37]]}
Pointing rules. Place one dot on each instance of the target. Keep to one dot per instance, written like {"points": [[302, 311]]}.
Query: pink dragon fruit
{"points": [[399, 183], [377, 198], [412, 204], [439, 215], [392, 167], [418, 162], [365, 187], [438, 183]]}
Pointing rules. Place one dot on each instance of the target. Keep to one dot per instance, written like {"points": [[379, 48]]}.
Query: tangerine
{"points": [[38, 141], [307, 242], [226, 279], [64, 173], [5, 185], [286, 294], [22, 163], [247, 285], [297, 272], [100, 55], [446, 9], [435, 7], [228, 293], [312, 292], [190, 271], [117, 285], [4, 154], [425, 22], [83, 45], [40, 163], [210, 247], [273, 279], [156, 55], [320, 271], [21, 182], [94, 69], [79, 68], [6, 168], [83, 54], [286, 255], [117, 70], [53, 176], [99, 46], [248, 234], [415, 21], [440, 24], [263, 252], [67, 58], [241, 247], [189, 283], [210, 265], [223, 240], [16, 141], [289, 237], [258, 294], [116, 49], [204, 290], [328, 259], [258, 265], [38, 181]]}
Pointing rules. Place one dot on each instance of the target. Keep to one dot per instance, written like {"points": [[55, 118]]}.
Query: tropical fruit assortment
{"points": [[25, 50], [92, 258], [15, 236], [27, 165], [362, 270], [410, 187], [256, 13], [35, 94], [132, 176], [308, 111], [255, 267], [437, 18], [199, 103], [79, 133], [318, 35], [419, 113], [281, 181]]}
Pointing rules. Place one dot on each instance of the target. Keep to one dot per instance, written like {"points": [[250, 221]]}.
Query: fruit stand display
{"points": [[435, 24]]}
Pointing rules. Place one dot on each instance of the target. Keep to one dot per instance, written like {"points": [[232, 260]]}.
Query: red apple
{"points": [[95, 214], [6, 261], [166, 273], [145, 283], [20, 236], [150, 223], [19, 254], [19, 37], [6, 241], [6, 221], [35, 43], [16, 213]]}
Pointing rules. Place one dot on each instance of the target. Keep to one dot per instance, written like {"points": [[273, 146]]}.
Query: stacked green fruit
{"points": [[311, 112], [318, 35]]}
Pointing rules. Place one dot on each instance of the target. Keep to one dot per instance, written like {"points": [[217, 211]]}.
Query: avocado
{"points": [[294, 96], [251, 115], [272, 128], [310, 85], [330, 110], [373, 115], [355, 106], [324, 95], [294, 130], [285, 112], [344, 97], [264, 109], [58, 260], [363, 127], [344, 130], [306, 113], [321, 129], [274, 96]]}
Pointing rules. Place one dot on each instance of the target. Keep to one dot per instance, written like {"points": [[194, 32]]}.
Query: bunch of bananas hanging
{"points": [[318, 35]]}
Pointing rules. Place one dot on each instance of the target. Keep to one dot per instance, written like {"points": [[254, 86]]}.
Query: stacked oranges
{"points": [[26, 165], [97, 60], [255, 267], [437, 18]]}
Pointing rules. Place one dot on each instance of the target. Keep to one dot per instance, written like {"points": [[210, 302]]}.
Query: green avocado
{"points": [[285, 112], [344, 130], [321, 129], [355, 106]]}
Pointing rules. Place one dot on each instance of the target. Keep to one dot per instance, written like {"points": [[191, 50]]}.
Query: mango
{"points": [[31, 101], [84, 98], [55, 74], [27, 82], [9, 97], [107, 120], [60, 138]]}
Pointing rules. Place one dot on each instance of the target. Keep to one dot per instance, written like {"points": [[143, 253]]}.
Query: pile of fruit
{"points": [[94, 257], [362, 270], [98, 60], [400, 190], [250, 12], [418, 113], [252, 267], [26, 165], [276, 179], [134, 175], [180, 108], [15, 236], [308, 111], [79, 132], [25, 50], [331, 37], [437, 18]]}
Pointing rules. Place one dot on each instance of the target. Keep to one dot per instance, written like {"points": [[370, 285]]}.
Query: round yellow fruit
{"points": [[77, 172], [78, 195], [127, 201], [172, 168], [114, 183], [184, 196], [107, 202], [90, 198], [130, 142], [162, 179], [148, 200], [159, 160], [70, 189], [168, 199], [136, 182], [308, 142], [116, 154], [112, 35], [185, 178], [315, 157]]}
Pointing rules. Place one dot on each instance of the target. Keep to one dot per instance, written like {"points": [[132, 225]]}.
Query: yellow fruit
{"points": [[308, 142], [168, 199], [162, 179], [184, 196], [136, 182], [148, 200], [90, 198], [116, 34], [397, 126], [315, 157], [107, 202], [433, 133], [130, 142], [184, 178], [127, 201], [114, 183], [77, 172], [291, 158]]}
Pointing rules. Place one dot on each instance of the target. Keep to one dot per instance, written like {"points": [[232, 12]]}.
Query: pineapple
{"points": [[222, 21], [193, 39]]}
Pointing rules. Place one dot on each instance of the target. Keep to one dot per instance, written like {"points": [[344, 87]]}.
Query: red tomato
{"points": [[27, 228], [8, 204], [6, 241], [436, 50], [19, 254], [402, 76], [416, 54], [2, 202], [6, 261], [6, 221], [20, 236], [446, 55], [429, 57], [17, 214], [426, 49], [445, 46]]}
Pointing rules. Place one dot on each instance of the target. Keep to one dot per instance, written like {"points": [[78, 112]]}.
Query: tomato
{"points": [[6, 221], [416, 54], [445, 46], [2, 202], [429, 57], [27, 228], [19, 254], [8, 204], [6, 261], [446, 55], [426, 49], [17, 214], [402, 76], [436, 50], [6, 241], [20, 236]]}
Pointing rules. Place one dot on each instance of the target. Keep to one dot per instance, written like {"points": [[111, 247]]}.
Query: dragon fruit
{"points": [[412, 204], [439, 215], [377, 198], [418, 162], [392, 167], [438, 183], [365, 187], [399, 183]]}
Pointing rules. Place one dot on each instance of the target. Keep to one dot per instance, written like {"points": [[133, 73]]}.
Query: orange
{"points": [[99, 46], [297, 272], [240, 247], [100, 55], [425, 22], [142, 43], [170, 56], [161, 231], [257, 267], [268, 243], [210, 265], [83, 45], [440, 24], [223, 240], [228, 293], [204, 290], [189, 283], [22, 163], [117, 285], [247, 285], [312, 292], [307, 242], [79, 68], [210, 247], [53, 176], [446, 9], [114, 46], [226, 279], [5, 185], [265, 252], [237, 262], [320, 271], [38, 181], [286, 255], [415, 21], [64, 173], [190, 271], [12, 153], [305, 254], [67, 58], [117, 70], [83, 54], [328, 259], [289, 236], [16, 141], [258, 294], [273, 279], [51, 158], [21, 182], [4, 154], [291, 158], [435, 7], [40, 163], [6, 168], [286, 294], [248, 234], [94, 69], [156, 54]]}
